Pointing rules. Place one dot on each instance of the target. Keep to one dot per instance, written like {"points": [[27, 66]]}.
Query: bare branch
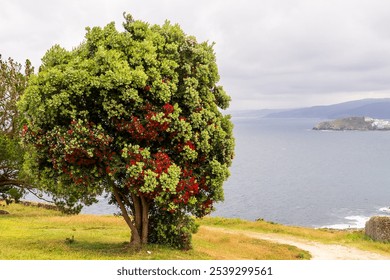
{"points": [[37, 196]]}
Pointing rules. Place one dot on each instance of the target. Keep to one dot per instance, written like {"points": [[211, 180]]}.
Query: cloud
{"points": [[270, 52], [29, 28]]}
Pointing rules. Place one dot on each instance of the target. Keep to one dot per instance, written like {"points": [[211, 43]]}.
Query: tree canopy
{"points": [[135, 114], [12, 85]]}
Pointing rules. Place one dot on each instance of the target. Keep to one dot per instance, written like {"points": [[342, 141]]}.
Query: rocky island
{"points": [[354, 123]]}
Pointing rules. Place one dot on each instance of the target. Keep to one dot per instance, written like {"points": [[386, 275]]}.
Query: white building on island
{"points": [[378, 124]]}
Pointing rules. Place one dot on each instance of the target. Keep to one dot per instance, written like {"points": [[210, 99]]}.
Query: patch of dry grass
{"points": [[226, 246], [354, 238]]}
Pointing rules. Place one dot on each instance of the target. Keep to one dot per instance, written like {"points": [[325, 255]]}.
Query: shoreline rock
{"points": [[378, 228]]}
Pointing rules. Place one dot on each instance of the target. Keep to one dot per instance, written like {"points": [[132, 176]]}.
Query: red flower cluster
{"points": [[79, 157], [207, 206], [24, 130], [186, 188], [146, 128], [161, 163], [168, 109], [91, 149], [158, 163]]}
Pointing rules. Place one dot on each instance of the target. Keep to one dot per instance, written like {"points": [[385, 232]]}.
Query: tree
{"points": [[12, 85], [133, 114]]}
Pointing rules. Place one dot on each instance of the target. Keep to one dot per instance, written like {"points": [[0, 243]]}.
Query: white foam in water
{"points": [[359, 221], [356, 222], [385, 209]]}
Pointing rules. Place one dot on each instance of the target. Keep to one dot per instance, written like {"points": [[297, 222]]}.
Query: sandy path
{"points": [[319, 251]]}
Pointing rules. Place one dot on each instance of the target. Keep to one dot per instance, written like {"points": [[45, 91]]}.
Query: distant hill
{"points": [[252, 114], [375, 108]]}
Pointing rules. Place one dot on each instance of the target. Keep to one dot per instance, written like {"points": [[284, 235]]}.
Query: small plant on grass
{"points": [[70, 240]]}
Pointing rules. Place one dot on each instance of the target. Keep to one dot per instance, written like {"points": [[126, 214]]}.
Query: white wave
{"points": [[354, 222], [358, 221], [385, 209]]}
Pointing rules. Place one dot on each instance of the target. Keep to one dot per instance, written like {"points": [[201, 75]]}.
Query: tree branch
{"points": [[16, 183], [37, 196]]}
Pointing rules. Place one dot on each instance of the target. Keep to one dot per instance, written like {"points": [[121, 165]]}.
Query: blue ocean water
{"points": [[287, 173]]}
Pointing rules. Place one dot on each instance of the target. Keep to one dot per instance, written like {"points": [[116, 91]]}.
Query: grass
{"points": [[232, 246], [40, 234], [36, 233], [353, 238]]}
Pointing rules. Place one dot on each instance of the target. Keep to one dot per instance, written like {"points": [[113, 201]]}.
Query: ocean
{"points": [[287, 173]]}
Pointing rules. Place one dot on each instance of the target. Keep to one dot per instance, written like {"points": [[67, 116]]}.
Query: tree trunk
{"points": [[141, 216], [137, 213], [145, 221], [139, 225], [135, 235]]}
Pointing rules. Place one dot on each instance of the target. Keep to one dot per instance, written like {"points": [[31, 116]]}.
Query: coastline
{"points": [[355, 222]]}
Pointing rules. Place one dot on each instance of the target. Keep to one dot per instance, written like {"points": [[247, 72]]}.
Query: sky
{"points": [[270, 53]]}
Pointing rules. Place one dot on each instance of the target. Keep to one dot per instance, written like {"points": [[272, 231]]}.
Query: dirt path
{"points": [[319, 251]]}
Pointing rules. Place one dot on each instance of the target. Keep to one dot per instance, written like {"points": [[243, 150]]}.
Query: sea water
{"points": [[287, 173]]}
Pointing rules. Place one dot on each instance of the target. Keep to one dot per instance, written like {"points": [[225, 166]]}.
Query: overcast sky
{"points": [[270, 53]]}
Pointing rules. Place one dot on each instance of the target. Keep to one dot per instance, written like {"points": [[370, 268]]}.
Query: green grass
{"points": [[36, 233], [40, 234]]}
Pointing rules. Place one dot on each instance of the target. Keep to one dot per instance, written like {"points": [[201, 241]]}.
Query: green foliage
{"points": [[136, 114], [12, 86], [173, 229]]}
